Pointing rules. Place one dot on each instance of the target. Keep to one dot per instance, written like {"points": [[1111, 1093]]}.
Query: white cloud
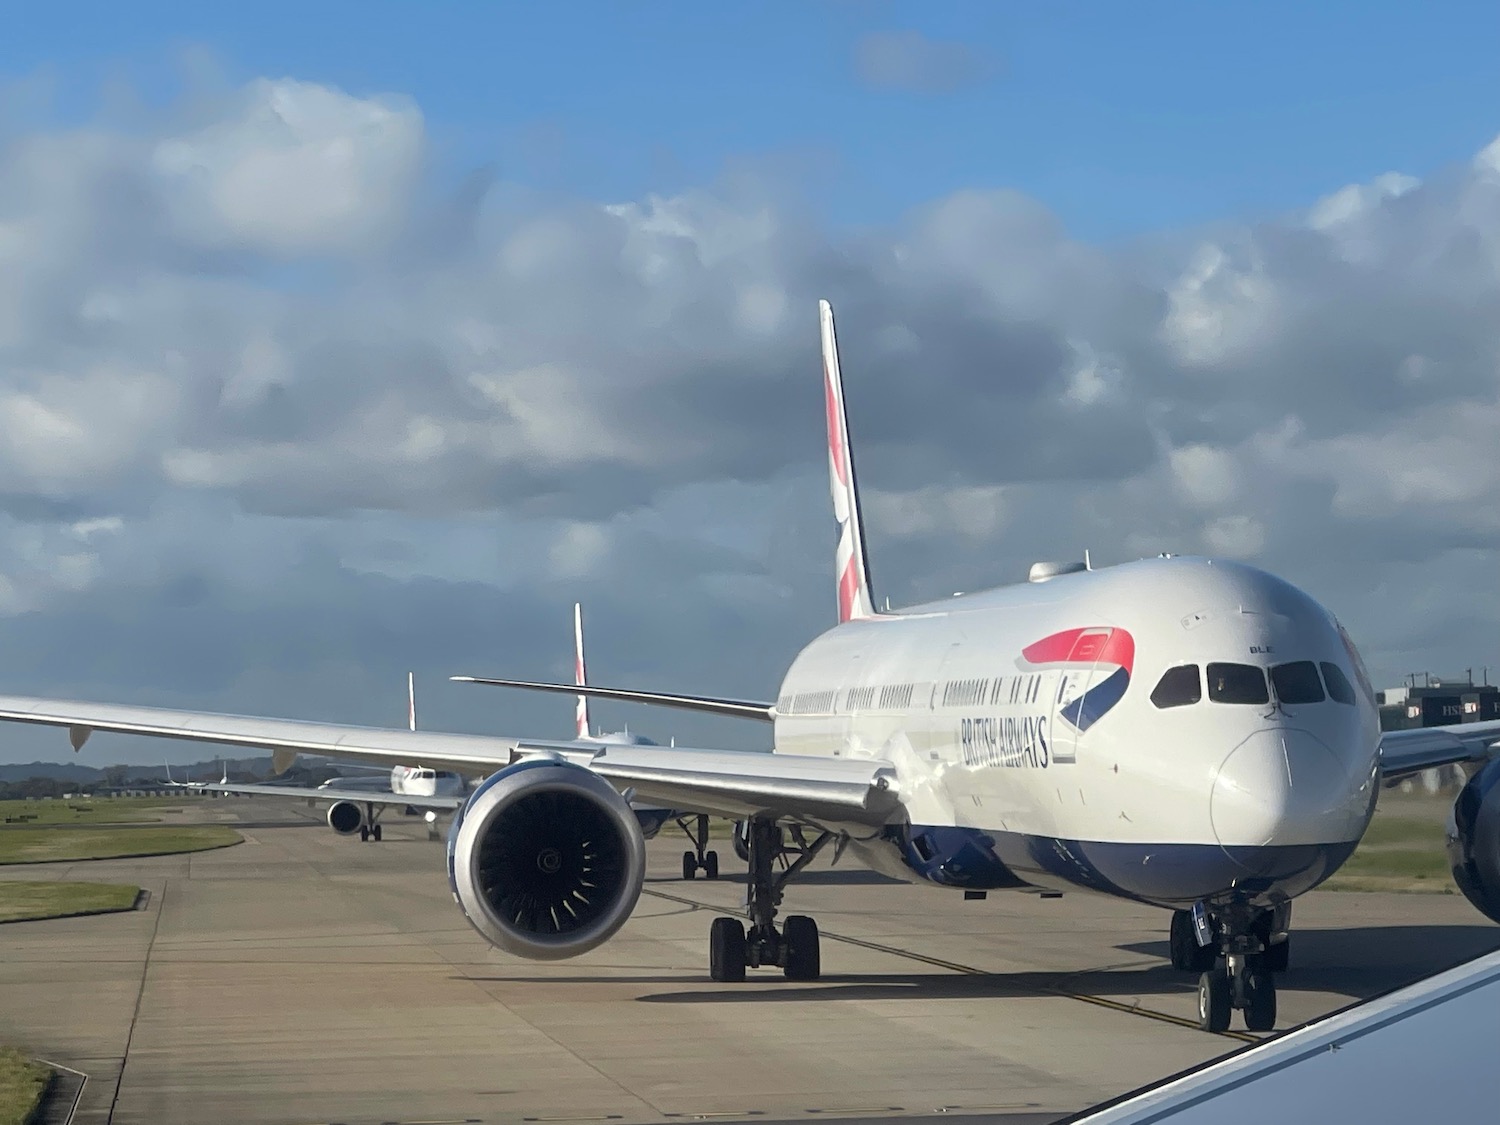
{"points": [[296, 169], [1218, 308], [421, 454], [1204, 476]]}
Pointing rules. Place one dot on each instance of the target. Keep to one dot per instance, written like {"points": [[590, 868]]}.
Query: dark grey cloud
{"points": [[282, 416], [912, 62]]}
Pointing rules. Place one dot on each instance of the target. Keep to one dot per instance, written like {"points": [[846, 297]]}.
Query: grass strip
{"points": [[48, 845], [22, 1083], [26, 901]]}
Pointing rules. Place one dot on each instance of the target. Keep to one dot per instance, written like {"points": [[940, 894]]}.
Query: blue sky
{"points": [[1122, 118]]}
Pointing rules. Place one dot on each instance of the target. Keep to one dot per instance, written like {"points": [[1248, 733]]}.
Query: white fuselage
{"points": [[1028, 749], [413, 781]]}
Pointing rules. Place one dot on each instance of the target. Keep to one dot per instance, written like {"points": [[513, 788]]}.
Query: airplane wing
{"points": [[1405, 752], [362, 796], [733, 783]]}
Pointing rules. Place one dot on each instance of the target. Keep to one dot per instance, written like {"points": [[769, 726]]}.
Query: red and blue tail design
{"points": [[1108, 651]]}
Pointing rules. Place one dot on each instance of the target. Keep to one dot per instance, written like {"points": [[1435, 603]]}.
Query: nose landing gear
{"points": [[1242, 982], [1247, 946]]}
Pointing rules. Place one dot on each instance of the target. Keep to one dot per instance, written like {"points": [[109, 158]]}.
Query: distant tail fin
{"points": [[851, 569], [411, 701], [580, 678]]}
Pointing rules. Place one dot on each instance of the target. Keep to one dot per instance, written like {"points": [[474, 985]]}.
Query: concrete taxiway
{"points": [[301, 977]]}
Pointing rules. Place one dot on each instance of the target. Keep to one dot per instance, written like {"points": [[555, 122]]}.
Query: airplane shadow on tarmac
{"points": [[847, 877], [1356, 963], [1370, 960], [935, 986]]}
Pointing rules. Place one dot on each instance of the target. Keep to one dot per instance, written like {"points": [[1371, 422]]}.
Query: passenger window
{"points": [[1297, 682], [1237, 683], [1178, 687], [1340, 690]]}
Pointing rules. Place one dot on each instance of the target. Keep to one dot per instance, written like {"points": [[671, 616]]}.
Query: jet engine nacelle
{"points": [[546, 860], [1474, 840], [345, 817]]}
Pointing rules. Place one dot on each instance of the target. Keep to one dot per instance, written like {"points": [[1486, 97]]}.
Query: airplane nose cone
{"points": [[1282, 786]]}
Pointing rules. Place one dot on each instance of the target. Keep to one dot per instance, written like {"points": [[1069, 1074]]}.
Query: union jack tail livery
{"points": [[851, 570], [580, 678]]}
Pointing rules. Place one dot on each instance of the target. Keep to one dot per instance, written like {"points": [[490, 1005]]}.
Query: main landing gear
{"points": [[1246, 946], [370, 829], [699, 859], [794, 947]]}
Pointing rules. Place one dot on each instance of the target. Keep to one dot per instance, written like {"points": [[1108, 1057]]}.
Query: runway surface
{"points": [[301, 977]]}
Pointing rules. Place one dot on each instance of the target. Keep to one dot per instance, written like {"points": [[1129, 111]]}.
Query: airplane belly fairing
{"points": [[1171, 875]]}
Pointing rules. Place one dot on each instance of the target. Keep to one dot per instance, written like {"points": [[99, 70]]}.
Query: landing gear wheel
{"points": [[711, 865], [803, 961], [689, 865], [741, 845], [1181, 941], [1278, 957], [1213, 1000], [726, 950], [375, 833], [1260, 1000], [364, 833]]}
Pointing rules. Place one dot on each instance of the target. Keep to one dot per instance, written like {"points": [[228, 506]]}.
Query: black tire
{"points": [[741, 848], [803, 960], [364, 833], [1213, 1001], [726, 950], [1181, 941], [375, 833], [689, 865], [1278, 958], [1205, 957], [1260, 1000], [711, 865]]}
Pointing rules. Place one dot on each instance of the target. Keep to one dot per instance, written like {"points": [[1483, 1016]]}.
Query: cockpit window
{"points": [[1340, 690], [1297, 682], [1178, 687], [1237, 683]]}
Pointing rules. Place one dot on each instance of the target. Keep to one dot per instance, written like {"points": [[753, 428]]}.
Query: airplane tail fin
{"points": [[580, 677], [411, 701], [851, 569]]}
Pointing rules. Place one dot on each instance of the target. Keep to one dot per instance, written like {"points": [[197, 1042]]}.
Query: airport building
{"points": [[1436, 702]]}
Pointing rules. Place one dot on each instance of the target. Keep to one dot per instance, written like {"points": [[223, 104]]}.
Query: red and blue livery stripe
{"points": [[1107, 651]]}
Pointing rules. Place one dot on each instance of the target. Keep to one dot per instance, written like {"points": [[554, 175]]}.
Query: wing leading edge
{"points": [[734, 708], [733, 783]]}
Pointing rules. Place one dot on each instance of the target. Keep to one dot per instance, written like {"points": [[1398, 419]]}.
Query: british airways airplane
{"points": [[1190, 733]]}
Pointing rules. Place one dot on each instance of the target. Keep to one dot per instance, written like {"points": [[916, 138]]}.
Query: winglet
{"points": [[851, 569], [580, 677]]}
